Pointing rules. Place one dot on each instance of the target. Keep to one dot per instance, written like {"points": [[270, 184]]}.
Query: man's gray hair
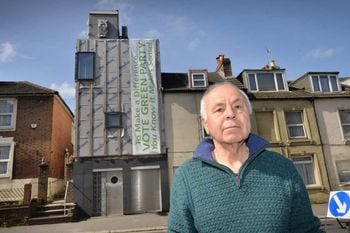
{"points": [[203, 110]]}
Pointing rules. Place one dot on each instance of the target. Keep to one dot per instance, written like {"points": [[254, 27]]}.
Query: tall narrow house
{"points": [[120, 158]]}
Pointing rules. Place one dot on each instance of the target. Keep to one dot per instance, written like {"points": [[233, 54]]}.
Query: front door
{"points": [[112, 190]]}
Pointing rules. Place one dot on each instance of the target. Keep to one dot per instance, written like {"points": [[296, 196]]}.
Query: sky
{"points": [[38, 37]]}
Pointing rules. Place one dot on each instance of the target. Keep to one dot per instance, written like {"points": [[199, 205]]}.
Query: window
{"points": [[252, 82], [316, 84], [84, 69], [266, 82], [198, 80], [324, 83], [279, 80], [6, 156], [343, 168], [305, 167], [266, 125], [114, 120], [295, 124], [345, 122], [7, 114]]}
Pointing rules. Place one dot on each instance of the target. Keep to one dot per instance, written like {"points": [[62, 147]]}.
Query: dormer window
{"points": [[266, 81], [324, 83], [198, 80]]}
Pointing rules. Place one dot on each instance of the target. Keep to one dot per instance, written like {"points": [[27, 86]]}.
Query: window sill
{"points": [[276, 143], [7, 129], [314, 187], [303, 141], [345, 184]]}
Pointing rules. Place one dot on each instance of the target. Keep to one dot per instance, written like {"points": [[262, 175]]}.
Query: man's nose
{"points": [[230, 112]]}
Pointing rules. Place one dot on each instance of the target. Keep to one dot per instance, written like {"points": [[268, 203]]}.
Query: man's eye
{"points": [[219, 110]]}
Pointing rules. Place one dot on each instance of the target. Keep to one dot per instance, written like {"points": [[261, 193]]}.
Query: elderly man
{"points": [[233, 184]]}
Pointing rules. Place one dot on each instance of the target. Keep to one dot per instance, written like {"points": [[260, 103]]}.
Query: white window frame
{"points": [[343, 124], [329, 82], [315, 167], [12, 126], [296, 125], [347, 171], [193, 81], [285, 86], [8, 142]]}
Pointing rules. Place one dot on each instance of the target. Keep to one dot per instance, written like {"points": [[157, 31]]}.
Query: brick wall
{"points": [[47, 141], [32, 145], [14, 215], [61, 138]]}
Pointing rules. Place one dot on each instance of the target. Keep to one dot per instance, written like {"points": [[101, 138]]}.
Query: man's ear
{"points": [[204, 123]]}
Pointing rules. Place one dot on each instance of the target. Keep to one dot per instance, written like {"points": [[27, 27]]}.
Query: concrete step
{"points": [[49, 212], [52, 213], [49, 219], [55, 205]]}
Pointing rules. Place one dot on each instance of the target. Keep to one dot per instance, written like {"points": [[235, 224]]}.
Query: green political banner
{"points": [[144, 97]]}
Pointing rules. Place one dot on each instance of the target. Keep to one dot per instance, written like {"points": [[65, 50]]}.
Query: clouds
{"points": [[320, 53], [180, 30], [125, 9], [193, 44], [169, 28], [66, 90], [7, 52], [153, 33], [83, 34]]}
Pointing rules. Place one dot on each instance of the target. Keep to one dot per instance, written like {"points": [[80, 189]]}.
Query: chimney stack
{"points": [[124, 33], [223, 66]]}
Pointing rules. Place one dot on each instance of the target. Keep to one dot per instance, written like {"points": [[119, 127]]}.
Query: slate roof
{"points": [[23, 88], [179, 81], [214, 77]]}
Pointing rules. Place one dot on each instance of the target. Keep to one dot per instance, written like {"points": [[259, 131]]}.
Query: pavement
{"points": [[146, 223]]}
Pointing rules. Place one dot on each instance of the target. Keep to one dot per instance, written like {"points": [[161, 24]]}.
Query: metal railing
{"points": [[65, 199]]}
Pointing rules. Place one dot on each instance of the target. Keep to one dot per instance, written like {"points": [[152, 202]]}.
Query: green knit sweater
{"points": [[267, 195]]}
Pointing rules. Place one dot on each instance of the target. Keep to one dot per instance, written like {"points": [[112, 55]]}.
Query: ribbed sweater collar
{"points": [[205, 148]]}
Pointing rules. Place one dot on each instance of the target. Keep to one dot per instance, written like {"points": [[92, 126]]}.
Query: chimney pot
{"points": [[223, 66]]}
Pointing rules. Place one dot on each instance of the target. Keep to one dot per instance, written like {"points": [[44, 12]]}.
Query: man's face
{"points": [[228, 119]]}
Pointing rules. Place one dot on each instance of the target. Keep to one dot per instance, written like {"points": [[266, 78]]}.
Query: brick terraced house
{"points": [[35, 128]]}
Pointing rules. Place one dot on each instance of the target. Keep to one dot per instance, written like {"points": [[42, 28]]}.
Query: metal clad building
{"points": [[121, 160]]}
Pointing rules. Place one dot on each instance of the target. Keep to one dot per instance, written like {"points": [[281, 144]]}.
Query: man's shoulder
{"points": [[277, 160], [278, 157], [189, 164], [189, 168]]}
